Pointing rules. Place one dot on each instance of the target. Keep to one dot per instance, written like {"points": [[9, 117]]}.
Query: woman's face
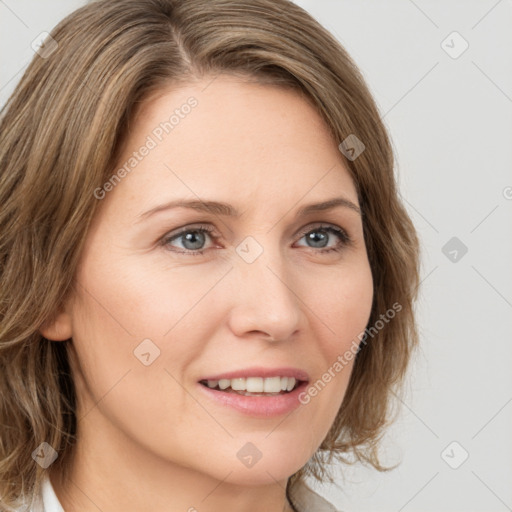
{"points": [[268, 290]]}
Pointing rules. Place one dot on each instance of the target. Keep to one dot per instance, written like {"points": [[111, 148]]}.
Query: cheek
{"points": [[147, 296], [116, 390], [120, 308], [124, 371], [344, 306]]}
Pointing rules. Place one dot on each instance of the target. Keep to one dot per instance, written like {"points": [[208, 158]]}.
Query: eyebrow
{"points": [[219, 208]]}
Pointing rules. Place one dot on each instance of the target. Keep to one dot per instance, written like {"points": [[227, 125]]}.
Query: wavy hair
{"points": [[60, 135]]}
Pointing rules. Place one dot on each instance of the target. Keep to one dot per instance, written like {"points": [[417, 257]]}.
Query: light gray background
{"points": [[451, 123]]}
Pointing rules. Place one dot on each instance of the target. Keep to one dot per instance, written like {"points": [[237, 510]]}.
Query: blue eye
{"points": [[193, 239], [320, 242]]}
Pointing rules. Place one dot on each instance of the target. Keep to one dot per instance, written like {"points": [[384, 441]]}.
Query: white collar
{"points": [[50, 501]]}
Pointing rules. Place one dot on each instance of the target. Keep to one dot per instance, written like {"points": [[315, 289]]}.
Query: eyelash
{"points": [[342, 234]]}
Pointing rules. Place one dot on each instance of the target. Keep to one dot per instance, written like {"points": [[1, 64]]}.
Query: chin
{"points": [[254, 467]]}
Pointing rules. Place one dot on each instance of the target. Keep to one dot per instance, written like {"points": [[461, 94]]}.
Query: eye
{"points": [[319, 237], [192, 239]]}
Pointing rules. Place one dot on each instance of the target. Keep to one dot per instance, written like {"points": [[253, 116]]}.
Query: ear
{"points": [[59, 328]]}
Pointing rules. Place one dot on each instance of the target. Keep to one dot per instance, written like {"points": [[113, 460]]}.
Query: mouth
{"points": [[257, 392], [254, 386]]}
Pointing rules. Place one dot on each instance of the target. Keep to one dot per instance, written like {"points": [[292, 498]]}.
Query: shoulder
{"points": [[308, 500]]}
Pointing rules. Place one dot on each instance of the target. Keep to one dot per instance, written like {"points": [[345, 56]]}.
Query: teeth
{"points": [[224, 383], [272, 385], [238, 384], [255, 384]]}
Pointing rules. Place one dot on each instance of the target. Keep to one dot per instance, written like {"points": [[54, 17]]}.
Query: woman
{"points": [[207, 275]]}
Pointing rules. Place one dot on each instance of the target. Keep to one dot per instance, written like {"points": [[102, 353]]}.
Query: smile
{"points": [[254, 386]]}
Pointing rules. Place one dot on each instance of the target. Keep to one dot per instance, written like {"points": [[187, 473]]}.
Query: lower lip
{"points": [[258, 406]]}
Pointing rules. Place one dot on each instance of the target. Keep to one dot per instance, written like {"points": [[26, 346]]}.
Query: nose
{"points": [[264, 302]]}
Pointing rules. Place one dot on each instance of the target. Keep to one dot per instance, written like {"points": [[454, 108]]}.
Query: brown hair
{"points": [[61, 132]]}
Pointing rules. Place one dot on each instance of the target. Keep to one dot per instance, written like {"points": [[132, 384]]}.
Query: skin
{"points": [[148, 440]]}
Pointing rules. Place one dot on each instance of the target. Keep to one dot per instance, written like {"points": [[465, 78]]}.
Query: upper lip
{"points": [[261, 372]]}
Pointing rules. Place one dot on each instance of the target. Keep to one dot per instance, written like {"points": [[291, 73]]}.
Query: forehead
{"points": [[234, 141]]}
